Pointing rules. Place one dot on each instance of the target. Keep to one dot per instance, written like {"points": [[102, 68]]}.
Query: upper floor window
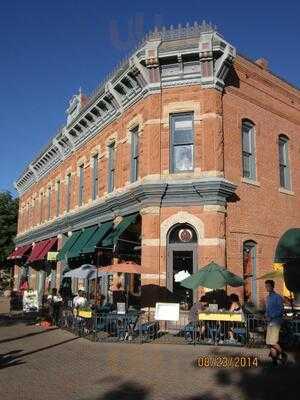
{"points": [[134, 154], [42, 208], [81, 185], [111, 167], [248, 146], [49, 202], [284, 169], [69, 192], [58, 194], [182, 142], [95, 175]]}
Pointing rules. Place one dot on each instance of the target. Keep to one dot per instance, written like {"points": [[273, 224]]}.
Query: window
{"points": [[42, 208], [248, 140], [134, 154], [111, 167], [95, 177], [284, 170], [182, 143], [81, 185], [69, 186], [57, 198], [249, 271], [49, 202]]}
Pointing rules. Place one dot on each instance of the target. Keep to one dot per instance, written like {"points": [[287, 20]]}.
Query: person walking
{"points": [[55, 301], [274, 316]]}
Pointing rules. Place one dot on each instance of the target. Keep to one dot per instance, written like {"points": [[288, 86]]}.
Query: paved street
{"points": [[53, 364]]}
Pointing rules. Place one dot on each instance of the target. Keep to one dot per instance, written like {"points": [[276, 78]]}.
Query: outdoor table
{"points": [[221, 316], [219, 323]]}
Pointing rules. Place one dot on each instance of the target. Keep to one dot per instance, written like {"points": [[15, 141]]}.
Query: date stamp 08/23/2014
{"points": [[227, 362]]}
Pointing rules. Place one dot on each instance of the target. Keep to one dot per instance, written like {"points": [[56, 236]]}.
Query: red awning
{"points": [[19, 252], [41, 249], [50, 243], [126, 267]]}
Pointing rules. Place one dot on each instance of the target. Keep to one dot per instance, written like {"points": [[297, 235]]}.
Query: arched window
{"points": [[248, 150], [249, 271], [284, 168]]}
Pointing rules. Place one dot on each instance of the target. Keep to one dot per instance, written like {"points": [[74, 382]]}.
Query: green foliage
{"points": [[8, 224]]}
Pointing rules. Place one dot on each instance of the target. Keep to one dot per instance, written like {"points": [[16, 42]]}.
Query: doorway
{"points": [[181, 261]]}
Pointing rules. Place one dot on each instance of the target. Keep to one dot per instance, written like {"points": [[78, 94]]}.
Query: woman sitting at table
{"points": [[235, 307]]}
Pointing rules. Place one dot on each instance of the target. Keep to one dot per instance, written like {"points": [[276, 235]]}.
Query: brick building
{"points": [[188, 153]]}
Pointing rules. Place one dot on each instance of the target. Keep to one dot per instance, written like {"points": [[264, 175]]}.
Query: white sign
{"points": [[181, 275], [121, 308], [167, 311], [30, 301]]}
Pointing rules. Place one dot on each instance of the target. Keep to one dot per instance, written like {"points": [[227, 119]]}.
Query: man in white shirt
{"points": [[80, 300]]}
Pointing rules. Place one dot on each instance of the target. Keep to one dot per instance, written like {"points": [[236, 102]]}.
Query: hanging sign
{"points": [[52, 255]]}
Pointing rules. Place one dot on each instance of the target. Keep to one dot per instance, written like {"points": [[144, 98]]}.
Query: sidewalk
{"points": [[54, 364]]}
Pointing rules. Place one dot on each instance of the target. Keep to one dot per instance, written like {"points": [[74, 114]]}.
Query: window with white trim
{"points": [[182, 142], [248, 149]]}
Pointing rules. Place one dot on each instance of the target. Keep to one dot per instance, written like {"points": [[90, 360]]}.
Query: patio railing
{"points": [[137, 327]]}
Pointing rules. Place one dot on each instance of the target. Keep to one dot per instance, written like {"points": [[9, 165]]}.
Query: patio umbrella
{"points": [[128, 267], [212, 276], [83, 272], [272, 275], [125, 268]]}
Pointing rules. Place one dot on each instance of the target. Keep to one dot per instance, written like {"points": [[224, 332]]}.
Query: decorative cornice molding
{"points": [[214, 191], [145, 72]]}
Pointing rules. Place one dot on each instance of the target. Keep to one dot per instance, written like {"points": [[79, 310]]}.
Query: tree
{"points": [[8, 224]]}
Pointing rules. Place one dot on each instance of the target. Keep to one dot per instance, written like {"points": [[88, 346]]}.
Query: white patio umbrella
{"points": [[83, 272]]}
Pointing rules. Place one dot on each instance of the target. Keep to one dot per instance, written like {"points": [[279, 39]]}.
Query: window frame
{"points": [[49, 202], [135, 146], [252, 245], [95, 176], [249, 155], [58, 197], [285, 164], [111, 167], [172, 120], [69, 193], [81, 185]]}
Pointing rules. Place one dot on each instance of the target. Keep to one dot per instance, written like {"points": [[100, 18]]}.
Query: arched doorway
{"points": [[181, 256]]}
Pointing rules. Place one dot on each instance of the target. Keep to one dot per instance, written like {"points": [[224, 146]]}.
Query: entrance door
{"points": [[181, 259]]}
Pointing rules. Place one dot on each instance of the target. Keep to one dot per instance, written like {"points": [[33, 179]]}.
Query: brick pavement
{"points": [[53, 364]]}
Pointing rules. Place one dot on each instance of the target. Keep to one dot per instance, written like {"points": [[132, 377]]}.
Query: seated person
{"points": [[196, 308], [235, 307]]}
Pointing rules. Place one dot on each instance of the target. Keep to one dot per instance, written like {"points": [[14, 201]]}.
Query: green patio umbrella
{"points": [[212, 276], [272, 275]]}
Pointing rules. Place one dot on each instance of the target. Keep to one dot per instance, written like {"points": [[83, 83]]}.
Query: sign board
{"points": [[121, 308], [167, 311], [52, 255], [30, 301]]}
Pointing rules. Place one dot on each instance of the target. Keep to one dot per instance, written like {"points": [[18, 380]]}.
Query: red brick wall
{"points": [[262, 213]]}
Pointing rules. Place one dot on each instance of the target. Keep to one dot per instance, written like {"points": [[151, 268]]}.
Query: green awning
{"points": [[288, 248], [97, 236], [82, 240], [113, 237], [61, 256]]}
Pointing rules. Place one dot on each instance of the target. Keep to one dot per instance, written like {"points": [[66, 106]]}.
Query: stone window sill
{"points": [[286, 191], [250, 182]]}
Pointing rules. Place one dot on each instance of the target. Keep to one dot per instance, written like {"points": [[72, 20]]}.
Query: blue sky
{"points": [[49, 49]]}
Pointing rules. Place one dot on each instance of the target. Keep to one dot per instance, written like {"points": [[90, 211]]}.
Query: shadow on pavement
{"points": [[27, 335], [10, 359]]}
